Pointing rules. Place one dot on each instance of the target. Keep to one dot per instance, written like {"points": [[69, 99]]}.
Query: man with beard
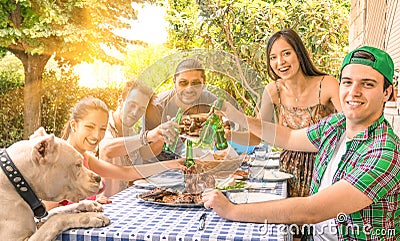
{"points": [[189, 81], [121, 144]]}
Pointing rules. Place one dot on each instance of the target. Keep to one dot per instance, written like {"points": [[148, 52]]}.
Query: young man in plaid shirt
{"points": [[355, 191]]}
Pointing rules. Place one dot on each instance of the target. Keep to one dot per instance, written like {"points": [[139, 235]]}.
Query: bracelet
{"points": [[143, 138]]}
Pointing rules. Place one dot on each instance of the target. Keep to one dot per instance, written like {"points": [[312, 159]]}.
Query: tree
{"points": [[70, 30], [243, 28]]}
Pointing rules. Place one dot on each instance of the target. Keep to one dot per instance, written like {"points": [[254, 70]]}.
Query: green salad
{"points": [[238, 185]]}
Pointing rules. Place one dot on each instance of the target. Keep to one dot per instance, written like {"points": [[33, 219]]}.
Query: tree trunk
{"points": [[33, 69]]}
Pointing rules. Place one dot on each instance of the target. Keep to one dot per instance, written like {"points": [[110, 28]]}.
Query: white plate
{"points": [[223, 182], [273, 155], [274, 175], [269, 163], [262, 197], [253, 197]]}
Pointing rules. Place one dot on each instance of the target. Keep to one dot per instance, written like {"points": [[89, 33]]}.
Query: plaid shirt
{"points": [[372, 165]]}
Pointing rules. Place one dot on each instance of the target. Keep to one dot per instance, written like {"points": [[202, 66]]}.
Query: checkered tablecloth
{"points": [[133, 219]]}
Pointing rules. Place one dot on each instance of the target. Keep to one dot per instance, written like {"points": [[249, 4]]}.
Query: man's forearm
{"points": [[280, 136], [287, 211], [120, 146], [151, 150], [147, 170], [244, 138]]}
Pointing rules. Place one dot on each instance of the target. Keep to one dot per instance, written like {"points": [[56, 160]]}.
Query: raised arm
{"points": [[120, 146], [269, 132], [243, 137], [128, 173]]}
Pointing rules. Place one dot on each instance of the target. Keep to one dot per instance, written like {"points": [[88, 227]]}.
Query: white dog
{"points": [[54, 171]]}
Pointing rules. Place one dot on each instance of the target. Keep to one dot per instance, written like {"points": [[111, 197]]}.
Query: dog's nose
{"points": [[97, 178]]}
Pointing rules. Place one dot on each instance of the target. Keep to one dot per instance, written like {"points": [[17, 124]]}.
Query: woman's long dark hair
{"points": [[297, 44]]}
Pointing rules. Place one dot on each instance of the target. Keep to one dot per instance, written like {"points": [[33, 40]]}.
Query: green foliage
{"points": [[11, 73], [62, 93], [139, 59], [59, 95], [243, 28], [183, 19], [11, 115], [74, 29]]}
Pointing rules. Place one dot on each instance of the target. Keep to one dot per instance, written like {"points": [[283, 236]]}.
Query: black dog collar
{"points": [[22, 187]]}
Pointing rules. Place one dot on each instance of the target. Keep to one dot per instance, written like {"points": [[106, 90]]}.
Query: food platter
{"points": [[183, 205], [170, 197]]}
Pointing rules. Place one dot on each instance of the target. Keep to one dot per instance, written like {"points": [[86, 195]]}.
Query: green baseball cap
{"points": [[383, 62]]}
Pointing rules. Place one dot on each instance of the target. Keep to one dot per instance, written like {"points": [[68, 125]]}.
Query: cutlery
{"points": [[202, 221]]}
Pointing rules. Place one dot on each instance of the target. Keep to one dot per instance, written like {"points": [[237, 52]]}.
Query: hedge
{"points": [[59, 95]]}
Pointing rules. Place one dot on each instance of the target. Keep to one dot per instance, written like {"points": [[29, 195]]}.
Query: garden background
{"points": [[41, 42]]}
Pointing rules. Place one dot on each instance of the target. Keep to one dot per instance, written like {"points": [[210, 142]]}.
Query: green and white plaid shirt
{"points": [[372, 165]]}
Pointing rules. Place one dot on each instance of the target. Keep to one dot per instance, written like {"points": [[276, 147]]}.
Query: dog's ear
{"points": [[39, 132], [43, 148]]}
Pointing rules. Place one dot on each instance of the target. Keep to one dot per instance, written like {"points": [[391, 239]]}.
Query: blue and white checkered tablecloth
{"points": [[133, 219]]}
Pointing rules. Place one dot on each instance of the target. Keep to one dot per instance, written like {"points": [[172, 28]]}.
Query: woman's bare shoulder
{"points": [[329, 80], [330, 85], [330, 92]]}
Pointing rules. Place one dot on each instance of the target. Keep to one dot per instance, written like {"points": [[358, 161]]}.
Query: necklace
{"points": [[297, 97]]}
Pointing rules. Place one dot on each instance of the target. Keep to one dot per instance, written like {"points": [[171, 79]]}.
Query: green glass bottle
{"points": [[171, 148], [211, 127], [220, 140], [189, 160]]}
